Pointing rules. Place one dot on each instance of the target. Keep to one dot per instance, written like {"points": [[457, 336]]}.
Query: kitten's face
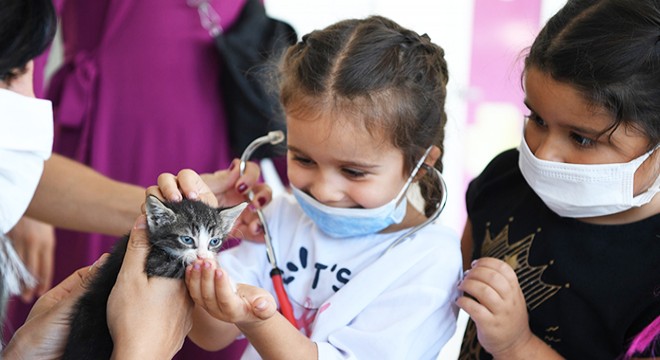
{"points": [[189, 230]]}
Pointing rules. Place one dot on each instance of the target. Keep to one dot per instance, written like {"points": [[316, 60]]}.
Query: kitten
{"points": [[179, 233]]}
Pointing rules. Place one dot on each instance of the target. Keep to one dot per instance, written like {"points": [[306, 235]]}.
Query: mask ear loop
{"points": [[439, 207]]}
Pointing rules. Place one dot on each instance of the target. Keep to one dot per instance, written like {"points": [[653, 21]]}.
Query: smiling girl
{"points": [[364, 103]]}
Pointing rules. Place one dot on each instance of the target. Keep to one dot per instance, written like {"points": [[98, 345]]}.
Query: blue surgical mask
{"points": [[351, 222]]}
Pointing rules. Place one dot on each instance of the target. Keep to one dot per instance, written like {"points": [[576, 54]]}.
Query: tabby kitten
{"points": [[179, 233]]}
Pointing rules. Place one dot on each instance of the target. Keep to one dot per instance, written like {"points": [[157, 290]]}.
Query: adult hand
{"points": [[148, 318], [222, 188], [44, 333], [497, 306], [34, 242]]}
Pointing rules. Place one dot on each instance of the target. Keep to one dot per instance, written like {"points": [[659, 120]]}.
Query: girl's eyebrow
{"points": [[581, 130], [294, 149], [350, 163]]}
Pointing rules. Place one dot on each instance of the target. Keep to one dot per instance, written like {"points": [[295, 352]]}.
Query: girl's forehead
{"points": [[558, 101], [340, 135]]}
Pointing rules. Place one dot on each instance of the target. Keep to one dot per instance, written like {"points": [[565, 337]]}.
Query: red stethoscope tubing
{"points": [[285, 305]]}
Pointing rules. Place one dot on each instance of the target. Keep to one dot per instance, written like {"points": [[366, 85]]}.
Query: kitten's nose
{"points": [[204, 255]]}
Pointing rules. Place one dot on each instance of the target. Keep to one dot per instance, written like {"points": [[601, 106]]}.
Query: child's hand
{"points": [[212, 289], [497, 306]]}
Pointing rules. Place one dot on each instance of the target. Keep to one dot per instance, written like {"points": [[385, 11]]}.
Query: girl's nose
{"points": [[548, 148], [326, 192]]}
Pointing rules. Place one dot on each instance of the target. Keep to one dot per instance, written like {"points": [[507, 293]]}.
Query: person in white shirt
{"points": [[364, 105]]}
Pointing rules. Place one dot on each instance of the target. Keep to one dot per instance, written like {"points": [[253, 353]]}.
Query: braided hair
{"points": [[390, 78]]}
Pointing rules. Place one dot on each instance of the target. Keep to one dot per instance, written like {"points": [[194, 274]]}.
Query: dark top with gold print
{"points": [[589, 288]]}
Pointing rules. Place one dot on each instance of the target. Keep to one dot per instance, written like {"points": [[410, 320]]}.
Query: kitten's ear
{"points": [[230, 215], [157, 213]]}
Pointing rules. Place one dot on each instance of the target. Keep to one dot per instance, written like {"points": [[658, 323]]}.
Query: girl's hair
{"points": [[388, 77], [609, 50], [645, 340], [26, 29]]}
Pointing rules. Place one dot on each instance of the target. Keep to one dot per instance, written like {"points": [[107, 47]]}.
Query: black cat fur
{"points": [[89, 337]]}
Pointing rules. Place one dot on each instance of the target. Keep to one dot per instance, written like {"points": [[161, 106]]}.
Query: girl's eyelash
{"points": [[302, 160], [349, 172], [580, 140], [536, 119], [583, 141], [354, 173]]}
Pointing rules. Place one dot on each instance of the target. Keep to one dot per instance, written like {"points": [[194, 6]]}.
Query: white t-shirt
{"points": [[348, 296]]}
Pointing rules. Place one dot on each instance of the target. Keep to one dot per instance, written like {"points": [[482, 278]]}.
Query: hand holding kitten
{"points": [[45, 331], [149, 317]]}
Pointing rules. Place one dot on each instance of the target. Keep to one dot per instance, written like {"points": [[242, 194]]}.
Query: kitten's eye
{"points": [[187, 240], [214, 242]]}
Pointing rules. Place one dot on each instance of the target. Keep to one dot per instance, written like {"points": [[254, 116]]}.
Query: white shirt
{"points": [[348, 296], [26, 140]]}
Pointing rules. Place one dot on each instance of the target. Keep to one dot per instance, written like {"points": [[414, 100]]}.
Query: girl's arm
{"points": [[251, 309], [467, 245], [276, 338]]}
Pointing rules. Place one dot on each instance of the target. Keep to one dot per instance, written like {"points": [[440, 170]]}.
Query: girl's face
{"points": [[564, 127], [342, 165]]}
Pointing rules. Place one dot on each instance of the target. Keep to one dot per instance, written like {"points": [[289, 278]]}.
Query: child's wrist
{"points": [[252, 324]]}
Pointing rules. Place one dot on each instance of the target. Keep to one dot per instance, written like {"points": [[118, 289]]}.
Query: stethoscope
{"points": [[273, 138], [276, 137]]}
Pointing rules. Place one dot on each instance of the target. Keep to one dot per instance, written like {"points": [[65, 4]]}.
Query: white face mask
{"points": [[584, 190], [26, 141]]}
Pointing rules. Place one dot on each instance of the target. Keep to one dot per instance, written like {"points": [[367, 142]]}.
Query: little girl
{"points": [[364, 103], [563, 232]]}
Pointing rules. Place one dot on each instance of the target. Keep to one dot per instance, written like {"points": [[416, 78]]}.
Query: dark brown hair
{"points": [[26, 28], [609, 50], [388, 77]]}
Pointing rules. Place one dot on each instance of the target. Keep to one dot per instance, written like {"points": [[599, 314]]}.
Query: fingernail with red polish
{"points": [[242, 188], [261, 201]]}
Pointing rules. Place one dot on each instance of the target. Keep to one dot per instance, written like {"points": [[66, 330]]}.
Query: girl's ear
{"points": [[433, 156], [430, 160]]}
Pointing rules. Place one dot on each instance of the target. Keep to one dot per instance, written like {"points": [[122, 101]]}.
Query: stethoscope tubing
{"points": [[273, 137]]}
